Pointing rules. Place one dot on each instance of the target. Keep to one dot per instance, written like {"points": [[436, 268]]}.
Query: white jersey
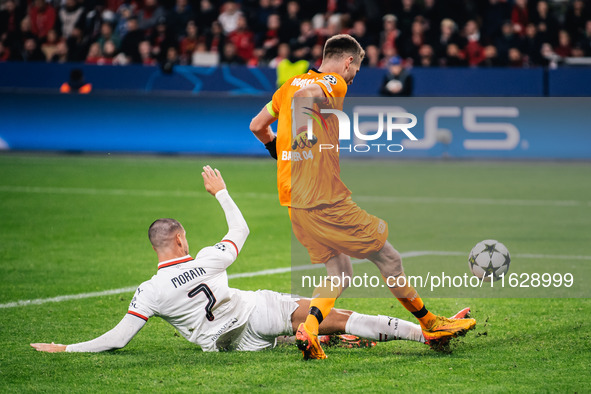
{"points": [[193, 295]]}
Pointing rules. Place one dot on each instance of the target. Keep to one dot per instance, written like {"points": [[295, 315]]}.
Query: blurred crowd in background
{"points": [[417, 33]]}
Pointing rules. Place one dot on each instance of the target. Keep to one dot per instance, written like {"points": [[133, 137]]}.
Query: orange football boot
{"points": [[309, 344]]}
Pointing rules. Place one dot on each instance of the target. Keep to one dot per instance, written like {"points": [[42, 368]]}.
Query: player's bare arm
{"points": [[260, 126], [303, 98]]}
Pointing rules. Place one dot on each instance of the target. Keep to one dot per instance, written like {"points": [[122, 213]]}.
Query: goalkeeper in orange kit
{"points": [[324, 217]]}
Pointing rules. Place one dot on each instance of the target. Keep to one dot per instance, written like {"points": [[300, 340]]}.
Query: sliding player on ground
{"points": [[193, 295], [324, 217]]}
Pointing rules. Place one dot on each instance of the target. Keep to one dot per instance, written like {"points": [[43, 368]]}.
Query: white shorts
{"points": [[270, 318]]}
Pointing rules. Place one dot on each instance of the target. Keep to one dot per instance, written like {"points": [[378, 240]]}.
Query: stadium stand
{"points": [[428, 33]]}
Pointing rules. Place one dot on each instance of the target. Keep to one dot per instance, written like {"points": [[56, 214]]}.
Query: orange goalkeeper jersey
{"points": [[308, 172]]}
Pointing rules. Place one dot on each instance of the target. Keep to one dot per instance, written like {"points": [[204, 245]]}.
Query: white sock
{"points": [[383, 328]]}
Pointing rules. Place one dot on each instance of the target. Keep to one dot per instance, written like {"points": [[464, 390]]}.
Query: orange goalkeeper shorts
{"points": [[330, 230]]}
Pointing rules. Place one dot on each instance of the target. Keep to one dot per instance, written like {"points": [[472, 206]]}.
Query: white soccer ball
{"points": [[489, 257]]}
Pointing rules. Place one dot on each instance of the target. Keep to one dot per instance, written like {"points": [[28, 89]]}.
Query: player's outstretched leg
{"points": [[367, 328], [323, 300], [384, 328], [389, 262]]}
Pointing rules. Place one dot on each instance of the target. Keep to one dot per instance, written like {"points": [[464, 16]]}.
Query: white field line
{"points": [[39, 301], [92, 191], [361, 198], [475, 201], [272, 271]]}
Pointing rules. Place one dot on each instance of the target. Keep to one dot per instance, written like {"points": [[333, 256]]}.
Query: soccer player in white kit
{"points": [[193, 296]]}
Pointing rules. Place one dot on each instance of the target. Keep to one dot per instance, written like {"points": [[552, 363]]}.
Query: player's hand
{"points": [[49, 347], [213, 181]]}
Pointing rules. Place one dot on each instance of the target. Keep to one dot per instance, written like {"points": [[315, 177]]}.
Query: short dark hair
{"points": [[162, 231], [343, 45]]}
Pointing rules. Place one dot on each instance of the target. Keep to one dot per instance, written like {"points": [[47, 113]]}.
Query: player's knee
{"points": [[388, 261], [396, 262]]}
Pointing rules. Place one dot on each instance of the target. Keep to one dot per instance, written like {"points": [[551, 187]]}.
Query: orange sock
{"points": [[323, 300], [319, 309], [409, 298]]}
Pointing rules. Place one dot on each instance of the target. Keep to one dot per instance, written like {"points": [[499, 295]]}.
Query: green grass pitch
{"points": [[78, 224]]}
